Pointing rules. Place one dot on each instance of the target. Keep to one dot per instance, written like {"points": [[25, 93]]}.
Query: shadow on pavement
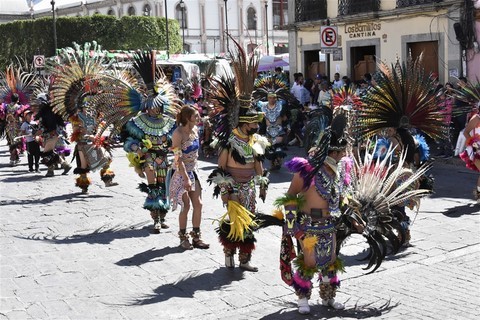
{"points": [[78, 196], [457, 212], [148, 256], [99, 236], [320, 312], [188, 285], [362, 258]]}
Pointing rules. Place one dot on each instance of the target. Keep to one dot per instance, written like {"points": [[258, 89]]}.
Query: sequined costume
{"points": [[189, 158]]}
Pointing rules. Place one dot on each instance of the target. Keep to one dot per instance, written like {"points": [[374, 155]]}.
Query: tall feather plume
{"points": [[229, 93], [245, 69], [403, 97], [224, 96]]}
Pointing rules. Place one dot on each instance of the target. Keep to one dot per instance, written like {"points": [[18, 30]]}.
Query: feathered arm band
{"points": [[303, 167], [223, 181], [262, 180]]}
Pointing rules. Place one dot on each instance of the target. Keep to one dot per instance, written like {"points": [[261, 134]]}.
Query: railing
{"points": [[310, 10], [346, 7], [408, 3]]}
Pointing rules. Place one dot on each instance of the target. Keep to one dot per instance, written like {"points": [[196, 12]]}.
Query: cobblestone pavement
{"points": [[65, 255]]}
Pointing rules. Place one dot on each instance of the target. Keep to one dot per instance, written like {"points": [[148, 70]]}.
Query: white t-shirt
{"points": [[28, 130]]}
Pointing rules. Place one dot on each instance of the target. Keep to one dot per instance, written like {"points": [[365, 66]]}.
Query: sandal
{"points": [[197, 242], [184, 243]]}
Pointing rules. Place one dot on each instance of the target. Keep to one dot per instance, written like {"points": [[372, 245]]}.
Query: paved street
{"points": [[65, 255]]}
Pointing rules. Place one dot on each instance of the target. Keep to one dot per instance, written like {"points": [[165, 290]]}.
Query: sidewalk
{"points": [[65, 255]]}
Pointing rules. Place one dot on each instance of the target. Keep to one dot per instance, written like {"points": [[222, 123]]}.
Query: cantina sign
{"points": [[360, 30]]}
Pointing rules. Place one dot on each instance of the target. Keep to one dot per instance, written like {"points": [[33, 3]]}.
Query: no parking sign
{"points": [[328, 37], [39, 61]]}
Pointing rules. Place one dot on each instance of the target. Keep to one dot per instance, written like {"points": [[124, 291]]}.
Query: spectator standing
{"points": [[28, 129], [337, 82]]}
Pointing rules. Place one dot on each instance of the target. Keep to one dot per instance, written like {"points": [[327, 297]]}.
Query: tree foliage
{"points": [[26, 38]]}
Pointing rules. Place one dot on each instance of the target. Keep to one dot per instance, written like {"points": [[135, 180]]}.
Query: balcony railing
{"points": [[408, 3], [310, 10], [347, 7]]}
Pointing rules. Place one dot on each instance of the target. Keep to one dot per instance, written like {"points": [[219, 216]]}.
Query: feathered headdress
{"points": [[404, 97], [271, 84], [123, 95], [15, 80], [232, 96], [74, 76]]}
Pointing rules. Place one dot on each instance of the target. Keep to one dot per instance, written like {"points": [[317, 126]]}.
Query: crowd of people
{"points": [[366, 151]]}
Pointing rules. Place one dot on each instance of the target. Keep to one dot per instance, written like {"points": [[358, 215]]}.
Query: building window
{"points": [[280, 12], [147, 10], [251, 19], [347, 7], [178, 15], [111, 12], [131, 11]]}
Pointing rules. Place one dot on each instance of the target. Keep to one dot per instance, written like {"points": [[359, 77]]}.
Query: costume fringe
{"points": [[83, 182], [239, 219]]}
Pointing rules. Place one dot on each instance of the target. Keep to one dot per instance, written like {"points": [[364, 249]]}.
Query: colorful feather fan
{"points": [[403, 97], [73, 77]]}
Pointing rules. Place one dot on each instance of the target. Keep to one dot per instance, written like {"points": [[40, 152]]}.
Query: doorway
{"points": [[363, 61], [313, 65], [430, 54]]}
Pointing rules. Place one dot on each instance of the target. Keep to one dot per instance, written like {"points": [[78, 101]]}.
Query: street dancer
{"points": [[470, 94], [185, 186], [149, 134], [76, 80], [10, 118], [313, 201], [384, 113], [241, 152], [274, 100]]}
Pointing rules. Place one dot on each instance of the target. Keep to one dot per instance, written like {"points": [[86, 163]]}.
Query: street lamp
{"points": [[182, 6], [54, 27], [266, 22], [166, 30], [226, 24]]}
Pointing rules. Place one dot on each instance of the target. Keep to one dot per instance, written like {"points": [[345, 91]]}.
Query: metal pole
{"points": [[266, 23], [226, 24], [182, 5], [166, 30], [54, 27]]}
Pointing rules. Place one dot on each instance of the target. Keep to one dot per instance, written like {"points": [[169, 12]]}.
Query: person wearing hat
{"points": [[28, 129]]}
